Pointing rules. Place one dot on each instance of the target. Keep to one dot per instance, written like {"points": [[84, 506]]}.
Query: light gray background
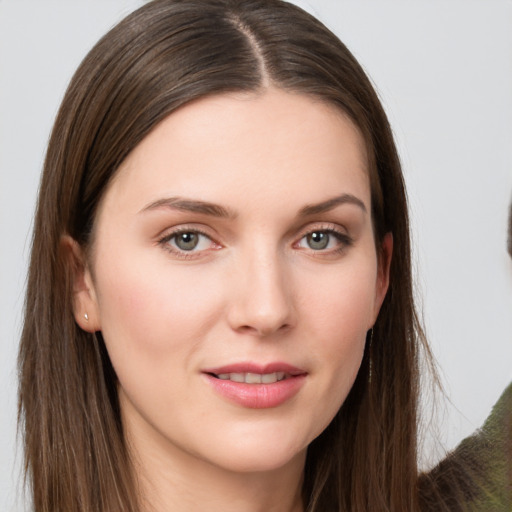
{"points": [[444, 72]]}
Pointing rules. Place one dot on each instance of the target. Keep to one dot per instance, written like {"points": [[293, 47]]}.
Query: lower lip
{"points": [[257, 396]]}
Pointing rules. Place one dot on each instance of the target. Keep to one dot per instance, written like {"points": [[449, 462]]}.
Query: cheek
{"points": [[152, 318], [340, 304], [337, 316]]}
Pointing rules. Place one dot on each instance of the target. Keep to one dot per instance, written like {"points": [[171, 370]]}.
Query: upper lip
{"points": [[250, 367]]}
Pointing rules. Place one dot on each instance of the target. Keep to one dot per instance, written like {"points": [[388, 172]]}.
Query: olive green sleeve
{"points": [[477, 475], [490, 451]]}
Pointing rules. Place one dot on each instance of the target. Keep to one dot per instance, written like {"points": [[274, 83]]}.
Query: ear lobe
{"points": [[85, 306], [384, 265]]}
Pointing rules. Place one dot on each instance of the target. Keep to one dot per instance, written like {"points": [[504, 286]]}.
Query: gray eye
{"points": [[186, 241], [318, 240]]}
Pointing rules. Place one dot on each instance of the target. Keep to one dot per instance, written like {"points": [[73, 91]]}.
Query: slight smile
{"points": [[254, 386]]}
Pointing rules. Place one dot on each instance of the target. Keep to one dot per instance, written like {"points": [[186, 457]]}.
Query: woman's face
{"points": [[235, 244]]}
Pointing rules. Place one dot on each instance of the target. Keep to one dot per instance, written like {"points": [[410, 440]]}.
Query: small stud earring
{"points": [[86, 316]]}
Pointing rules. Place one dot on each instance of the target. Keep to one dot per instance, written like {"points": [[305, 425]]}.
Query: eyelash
{"points": [[343, 239], [186, 255]]}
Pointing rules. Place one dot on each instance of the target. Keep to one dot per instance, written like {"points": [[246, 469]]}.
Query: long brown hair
{"points": [[167, 54]]}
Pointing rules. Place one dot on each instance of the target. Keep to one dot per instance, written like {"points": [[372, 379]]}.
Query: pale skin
{"points": [[283, 267]]}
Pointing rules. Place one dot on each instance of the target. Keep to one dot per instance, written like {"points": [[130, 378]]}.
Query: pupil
{"points": [[187, 241], [318, 240]]}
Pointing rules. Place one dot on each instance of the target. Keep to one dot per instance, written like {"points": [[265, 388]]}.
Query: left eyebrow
{"points": [[190, 205], [330, 204]]}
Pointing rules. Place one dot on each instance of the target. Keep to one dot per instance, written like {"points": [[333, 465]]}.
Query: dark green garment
{"points": [[477, 475]]}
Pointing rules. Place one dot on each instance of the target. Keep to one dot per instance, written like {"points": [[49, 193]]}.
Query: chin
{"points": [[258, 456], [245, 463]]}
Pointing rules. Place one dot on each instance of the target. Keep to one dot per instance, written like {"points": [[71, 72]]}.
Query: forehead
{"points": [[268, 145]]}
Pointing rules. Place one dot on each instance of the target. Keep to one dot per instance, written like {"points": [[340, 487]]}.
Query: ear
{"points": [[384, 264], [85, 304]]}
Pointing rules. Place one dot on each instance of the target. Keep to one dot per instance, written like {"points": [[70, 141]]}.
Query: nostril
{"points": [[263, 330], [246, 328], [262, 309]]}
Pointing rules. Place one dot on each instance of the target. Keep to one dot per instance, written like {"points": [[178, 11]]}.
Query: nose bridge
{"points": [[263, 302]]}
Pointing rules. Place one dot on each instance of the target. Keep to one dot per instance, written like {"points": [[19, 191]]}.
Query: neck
{"points": [[169, 478], [165, 487]]}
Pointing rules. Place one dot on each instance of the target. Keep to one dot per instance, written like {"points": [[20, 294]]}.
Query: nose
{"points": [[262, 302]]}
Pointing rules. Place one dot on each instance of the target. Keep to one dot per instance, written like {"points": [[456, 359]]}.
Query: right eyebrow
{"points": [[330, 204], [190, 205]]}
